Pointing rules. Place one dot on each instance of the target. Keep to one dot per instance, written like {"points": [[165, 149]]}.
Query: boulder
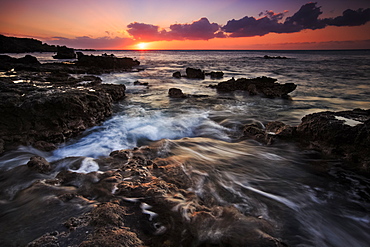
{"points": [[177, 74], [176, 93], [265, 86], [65, 53], [194, 73], [39, 164]]}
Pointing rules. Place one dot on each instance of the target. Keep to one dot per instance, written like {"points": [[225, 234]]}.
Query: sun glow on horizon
{"points": [[142, 46]]}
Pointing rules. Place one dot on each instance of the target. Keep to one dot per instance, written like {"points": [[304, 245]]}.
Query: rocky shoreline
{"points": [[138, 197]]}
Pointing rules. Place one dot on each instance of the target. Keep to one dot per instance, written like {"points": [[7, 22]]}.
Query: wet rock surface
{"points": [[42, 114], [344, 134], [264, 86], [136, 199]]}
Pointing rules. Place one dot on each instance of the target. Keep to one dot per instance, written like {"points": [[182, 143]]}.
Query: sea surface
{"points": [[310, 205]]}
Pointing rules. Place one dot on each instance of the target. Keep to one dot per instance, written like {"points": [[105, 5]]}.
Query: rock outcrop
{"points": [[27, 62], [192, 73], [265, 86], [106, 63], [344, 134], [36, 112], [20, 45], [64, 52], [176, 93], [136, 199]]}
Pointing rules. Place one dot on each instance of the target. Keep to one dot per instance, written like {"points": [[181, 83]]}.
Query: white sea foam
{"points": [[87, 165]]}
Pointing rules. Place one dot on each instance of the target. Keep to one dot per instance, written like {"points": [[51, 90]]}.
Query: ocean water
{"points": [[311, 207]]}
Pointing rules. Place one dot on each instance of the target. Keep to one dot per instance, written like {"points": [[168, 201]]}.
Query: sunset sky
{"points": [[190, 24]]}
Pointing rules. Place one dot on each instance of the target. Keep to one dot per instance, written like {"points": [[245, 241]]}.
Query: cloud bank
{"points": [[198, 30], [307, 17]]}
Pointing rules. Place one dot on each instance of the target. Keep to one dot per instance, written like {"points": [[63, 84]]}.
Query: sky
{"points": [[191, 24]]}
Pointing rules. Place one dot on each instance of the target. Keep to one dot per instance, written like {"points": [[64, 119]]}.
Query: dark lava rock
{"points": [[39, 164], [344, 134], [42, 112], [265, 86], [194, 73], [65, 53], [216, 74], [177, 74], [106, 62], [27, 62], [176, 93], [142, 201]]}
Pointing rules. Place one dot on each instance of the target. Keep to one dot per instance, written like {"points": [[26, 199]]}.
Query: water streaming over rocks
{"points": [[174, 172]]}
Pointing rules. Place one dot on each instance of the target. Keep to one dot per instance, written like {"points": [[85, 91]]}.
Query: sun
{"points": [[142, 46]]}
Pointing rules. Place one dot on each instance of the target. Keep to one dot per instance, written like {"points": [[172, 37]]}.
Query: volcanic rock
{"points": [[176, 93], [215, 74], [27, 62], [343, 134], [265, 86], [39, 164], [194, 73], [42, 112], [177, 74], [64, 52], [111, 63]]}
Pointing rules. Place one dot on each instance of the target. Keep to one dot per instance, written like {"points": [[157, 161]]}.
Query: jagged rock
{"points": [[176, 93], [345, 134], [194, 73], [342, 134], [65, 53], [39, 164], [32, 112], [261, 85], [106, 62]]}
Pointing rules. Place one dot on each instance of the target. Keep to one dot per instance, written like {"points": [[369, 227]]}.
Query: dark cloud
{"points": [[198, 30], [350, 18], [88, 42], [307, 17]]}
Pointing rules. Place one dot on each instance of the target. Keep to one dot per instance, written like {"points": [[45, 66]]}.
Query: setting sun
{"points": [[142, 46]]}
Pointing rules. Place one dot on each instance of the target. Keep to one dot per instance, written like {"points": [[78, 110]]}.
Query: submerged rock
{"points": [[215, 74], [265, 86]]}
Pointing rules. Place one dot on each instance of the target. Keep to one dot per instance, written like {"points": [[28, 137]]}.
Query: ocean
{"points": [[310, 206]]}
